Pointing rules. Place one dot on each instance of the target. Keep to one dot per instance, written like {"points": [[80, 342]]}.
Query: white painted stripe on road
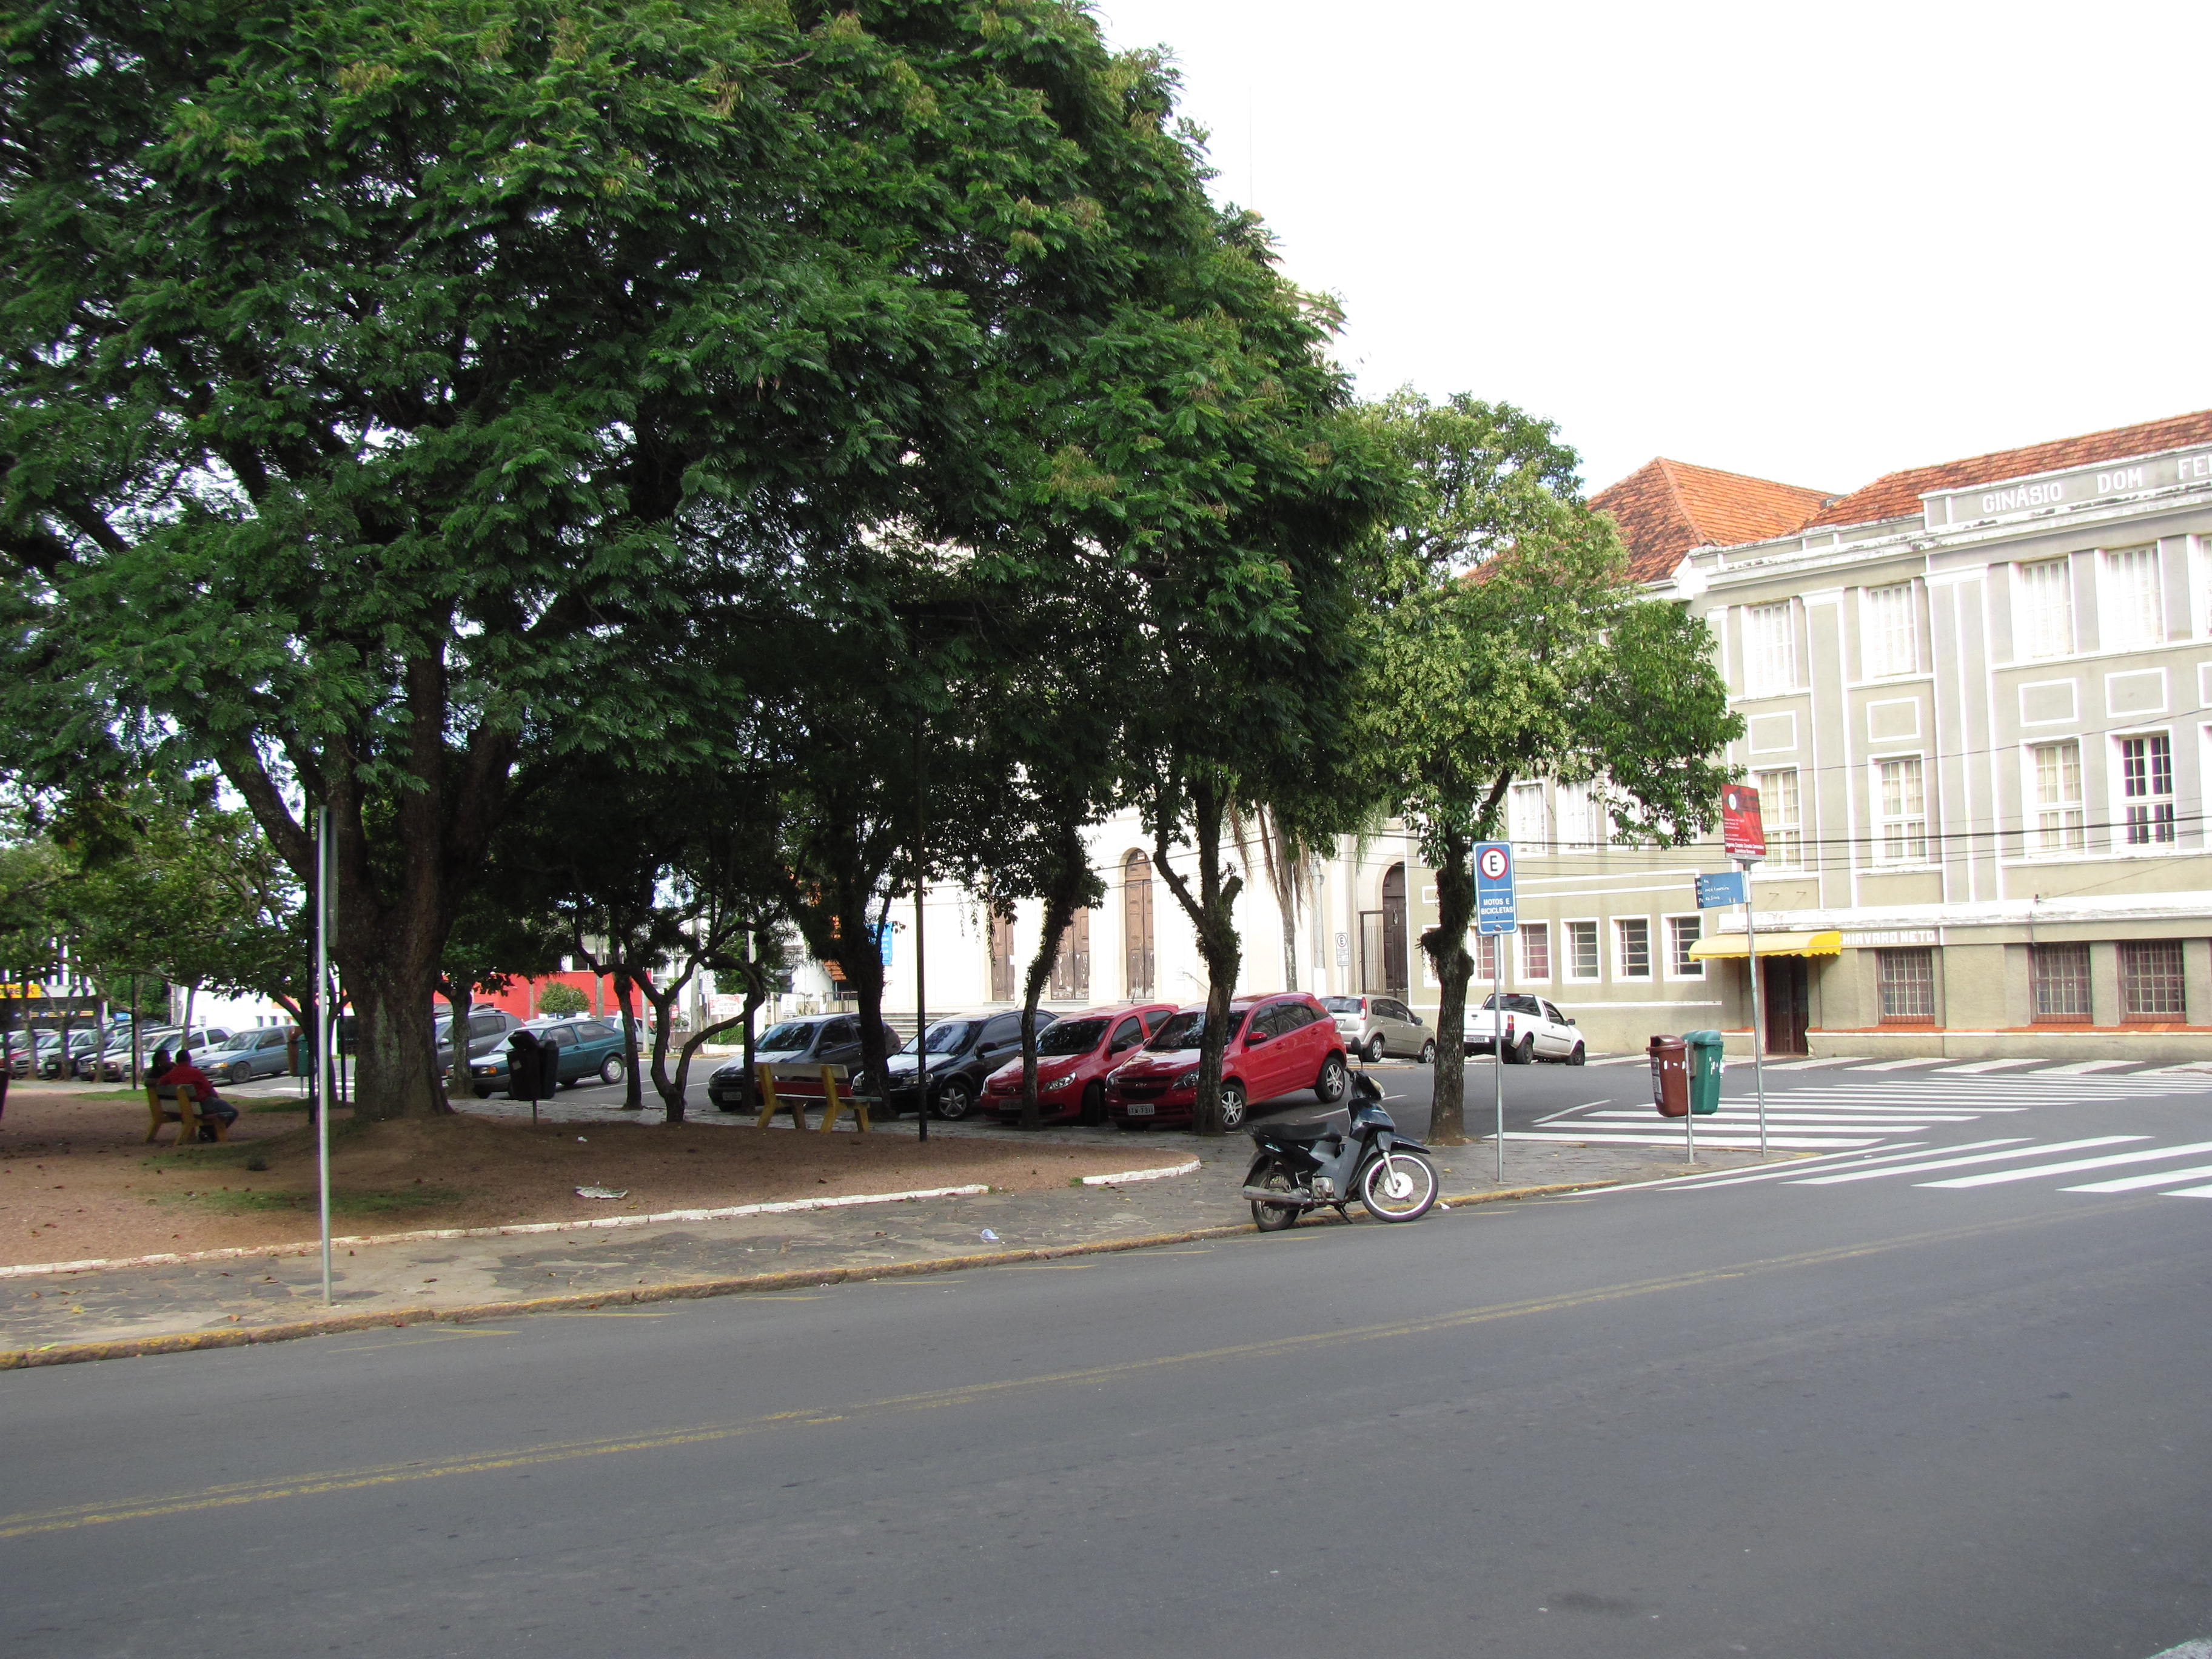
{"points": [[1795, 1170], [1898, 1065], [1984, 1066], [1612, 1060], [2191, 1192], [1804, 1120], [2083, 1068], [1733, 1141], [2136, 1183], [1994, 1176], [1984, 1158]]}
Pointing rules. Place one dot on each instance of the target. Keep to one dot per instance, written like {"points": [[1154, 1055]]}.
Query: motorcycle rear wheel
{"points": [[1398, 1186], [1271, 1218]]}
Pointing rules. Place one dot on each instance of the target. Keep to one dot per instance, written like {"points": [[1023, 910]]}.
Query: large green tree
{"points": [[381, 386], [1512, 644]]}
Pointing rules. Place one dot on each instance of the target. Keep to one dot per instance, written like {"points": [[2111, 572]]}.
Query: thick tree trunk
{"points": [[1212, 913], [395, 1059], [661, 998], [753, 1000], [1446, 945], [633, 1084]]}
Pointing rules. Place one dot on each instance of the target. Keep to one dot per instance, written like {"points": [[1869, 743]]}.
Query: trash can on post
{"points": [[1706, 1065], [1670, 1076]]}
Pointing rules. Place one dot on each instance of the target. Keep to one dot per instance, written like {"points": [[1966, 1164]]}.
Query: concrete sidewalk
{"points": [[53, 1318]]}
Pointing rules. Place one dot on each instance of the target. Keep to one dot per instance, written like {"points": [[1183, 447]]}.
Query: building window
{"points": [[1535, 949], [2134, 613], [1908, 987], [1682, 933], [1891, 644], [2060, 976], [1577, 818], [1486, 955], [2147, 789], [2057, 796], [1779, 813], [1526, 816], [1582, 950], [1632, 940], [2043, 610], [1902, 804], [1770, 649], [2150, 980]]}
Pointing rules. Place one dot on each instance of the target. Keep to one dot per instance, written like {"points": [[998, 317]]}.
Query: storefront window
{"points": [[1908, 987]]}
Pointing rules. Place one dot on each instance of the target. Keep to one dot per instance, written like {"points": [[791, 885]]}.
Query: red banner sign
{"points": [[1742, 836]]}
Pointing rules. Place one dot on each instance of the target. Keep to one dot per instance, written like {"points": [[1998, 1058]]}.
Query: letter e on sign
{"points": [[1742, 834], [1494, 863]]}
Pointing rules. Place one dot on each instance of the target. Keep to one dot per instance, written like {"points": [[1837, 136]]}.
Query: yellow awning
{"points": [[1730, 947]]}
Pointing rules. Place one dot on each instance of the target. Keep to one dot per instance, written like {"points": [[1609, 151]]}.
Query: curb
{"points": [[78, 1353], [1127, 1175]]}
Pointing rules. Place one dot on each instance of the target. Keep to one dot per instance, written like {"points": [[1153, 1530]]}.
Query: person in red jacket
{"points": [[208, 1103]]}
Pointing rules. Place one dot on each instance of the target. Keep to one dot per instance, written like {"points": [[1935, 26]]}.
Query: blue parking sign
{"points": [[1728, 887], [1495, 911]]}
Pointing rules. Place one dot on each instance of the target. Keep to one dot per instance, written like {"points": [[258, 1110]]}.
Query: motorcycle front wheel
{"points": [[1271, 1218], [1398, 1186]]}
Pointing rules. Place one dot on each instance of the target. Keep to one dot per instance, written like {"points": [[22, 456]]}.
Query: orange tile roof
{"points": [[1897, 495], [1664, 508]]}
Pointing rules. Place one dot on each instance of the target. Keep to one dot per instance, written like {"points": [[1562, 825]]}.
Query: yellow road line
{"points": [[70, 1517]]}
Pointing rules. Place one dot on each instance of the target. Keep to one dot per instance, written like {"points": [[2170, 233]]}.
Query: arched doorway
{"points": [[1137, 923], [1382, 963]]}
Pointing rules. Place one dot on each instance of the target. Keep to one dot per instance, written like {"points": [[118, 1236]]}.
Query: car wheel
{"points": [[1527, 1050], [1578, 1056], [1373, 1051], [1428, 1053], [1094, 1107], [241, 1072], [1329, 1088], [1232, 1103], [483, 1093], [956, 1098], [611, 1069], [1518, 1054]]}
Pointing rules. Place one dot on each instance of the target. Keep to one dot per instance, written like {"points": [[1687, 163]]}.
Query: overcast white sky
{"points": [[1810, 243]]}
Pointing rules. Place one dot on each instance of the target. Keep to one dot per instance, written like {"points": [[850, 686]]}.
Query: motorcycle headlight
{"points": [[1055, 1086], [1188, 1080]]}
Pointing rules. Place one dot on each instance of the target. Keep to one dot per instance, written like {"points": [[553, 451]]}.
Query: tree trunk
{"points": [[1290, 949], [395, 1059], [461, 999], [1212, 915], [633, 1085], [753, 1000], [1072, 877], [1446, 945], [664, 999]]}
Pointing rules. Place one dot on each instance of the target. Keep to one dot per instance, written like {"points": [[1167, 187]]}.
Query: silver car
{"points": [[1372, 1027]]}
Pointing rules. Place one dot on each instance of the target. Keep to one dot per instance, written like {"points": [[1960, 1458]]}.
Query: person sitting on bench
{"points": [[206, 1101]]}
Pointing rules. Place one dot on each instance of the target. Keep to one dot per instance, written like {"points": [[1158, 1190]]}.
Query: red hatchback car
{"points": [[1277, 1044], [1073, 1057]]}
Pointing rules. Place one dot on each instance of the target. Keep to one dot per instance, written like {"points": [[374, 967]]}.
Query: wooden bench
{"points": [[178, 1104], [834, 1083]]}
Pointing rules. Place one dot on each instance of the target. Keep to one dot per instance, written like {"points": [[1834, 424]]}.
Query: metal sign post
{"points": [[1743, 837], [324, 1026], [1496, 915]]}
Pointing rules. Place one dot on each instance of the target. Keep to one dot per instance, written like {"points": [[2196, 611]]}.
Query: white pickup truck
{"points": [[1535, 1029]]}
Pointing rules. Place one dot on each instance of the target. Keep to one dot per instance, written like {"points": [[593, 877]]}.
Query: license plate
{"points": [[1138, 1109]]}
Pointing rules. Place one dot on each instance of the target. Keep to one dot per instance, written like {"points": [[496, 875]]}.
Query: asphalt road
{"points": [[1863, 1417]]}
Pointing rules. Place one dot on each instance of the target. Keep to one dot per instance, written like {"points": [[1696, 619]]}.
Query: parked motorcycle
{"points": [[1304, 1166]]}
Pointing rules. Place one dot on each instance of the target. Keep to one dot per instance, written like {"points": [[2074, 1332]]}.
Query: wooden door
{"points": [[1137, 925], [1070, 969], [1394, 931], [1787, 986]]}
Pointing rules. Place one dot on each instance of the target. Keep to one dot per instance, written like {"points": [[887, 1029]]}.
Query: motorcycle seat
{"points": [[1303, 1132]]}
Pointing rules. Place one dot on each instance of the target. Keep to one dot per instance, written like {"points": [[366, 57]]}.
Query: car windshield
{"points": [[1072, 1037], [791, 1034], [244, 1039], [948, 1038], [1188, 1030]]}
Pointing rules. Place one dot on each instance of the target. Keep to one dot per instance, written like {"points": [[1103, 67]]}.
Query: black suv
{"points": [[964, 1050], [815, 1040]]}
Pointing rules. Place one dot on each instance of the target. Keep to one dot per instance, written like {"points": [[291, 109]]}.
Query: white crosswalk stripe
{"points": [[2074, 1166], [2024, 1161], [1855, 1111]]}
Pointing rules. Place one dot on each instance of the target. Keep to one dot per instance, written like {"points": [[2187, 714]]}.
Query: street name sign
{"points": [[1495, 911], [1730, 887]]}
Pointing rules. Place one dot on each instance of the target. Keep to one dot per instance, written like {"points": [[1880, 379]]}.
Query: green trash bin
{"points": [[1706, 1064]]}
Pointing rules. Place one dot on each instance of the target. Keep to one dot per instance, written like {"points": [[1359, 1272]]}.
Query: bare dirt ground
{"points": [[77, 1182]]}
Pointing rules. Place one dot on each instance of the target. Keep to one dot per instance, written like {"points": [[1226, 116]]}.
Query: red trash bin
{"points": [[1670, 1076]]}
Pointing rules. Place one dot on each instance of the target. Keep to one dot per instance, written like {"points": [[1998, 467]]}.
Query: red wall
{"points": [[520, 998]]}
